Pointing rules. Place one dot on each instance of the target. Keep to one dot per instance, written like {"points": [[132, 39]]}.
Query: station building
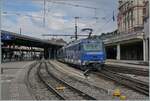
{"points": [[18, 47], [131, 40]]}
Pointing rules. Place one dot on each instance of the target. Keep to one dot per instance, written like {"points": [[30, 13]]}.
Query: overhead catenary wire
{"points": [[19, 14], [65, 3], [75, 5], [69, 4], [104, 18], [112, 18]]}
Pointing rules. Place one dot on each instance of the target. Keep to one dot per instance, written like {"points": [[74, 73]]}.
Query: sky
{"points": [[59, 16]]}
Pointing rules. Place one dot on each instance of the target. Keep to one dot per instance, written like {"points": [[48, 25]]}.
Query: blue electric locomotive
{"points": [[86, 53]]}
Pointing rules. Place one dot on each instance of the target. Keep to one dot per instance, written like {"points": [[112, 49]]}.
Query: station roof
{"points": [[24, 40]]}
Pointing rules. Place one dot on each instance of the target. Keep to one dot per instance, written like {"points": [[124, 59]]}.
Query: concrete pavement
{"points": [[13, 86]]}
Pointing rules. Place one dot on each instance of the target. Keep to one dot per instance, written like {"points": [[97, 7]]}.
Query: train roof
{"points": [[80, 41]]}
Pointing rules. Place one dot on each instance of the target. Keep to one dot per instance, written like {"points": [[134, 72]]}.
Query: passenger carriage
{"points": [[86, 53]]}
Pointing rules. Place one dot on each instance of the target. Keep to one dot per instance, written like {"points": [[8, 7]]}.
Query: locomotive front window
{"points": [[92, 47]]}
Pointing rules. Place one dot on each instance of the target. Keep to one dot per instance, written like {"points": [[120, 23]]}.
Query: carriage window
{"points": [[92, 47]]}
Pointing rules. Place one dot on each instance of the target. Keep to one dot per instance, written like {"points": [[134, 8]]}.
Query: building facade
{"points": [[130, 16], [129, 42]]}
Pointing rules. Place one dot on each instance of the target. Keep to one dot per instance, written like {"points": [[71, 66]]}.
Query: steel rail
{"points": [[135, 84], [127, 77], [47, 84], [79, 93], [27, 81], [86, 96], [80, 81], [140, 84], [128, 70]]}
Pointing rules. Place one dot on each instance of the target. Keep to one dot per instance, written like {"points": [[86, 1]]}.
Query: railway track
{"points": [[27, 80], [80, 83], [36, 88], [135, 84], [128, 70], [138, 85], [67, 93]]}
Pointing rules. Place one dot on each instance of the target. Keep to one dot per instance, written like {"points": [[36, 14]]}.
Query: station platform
{"points": [[13, 86], [126, 63]]}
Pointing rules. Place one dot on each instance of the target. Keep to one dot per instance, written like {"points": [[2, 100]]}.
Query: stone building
{"points": [[128, 42], [130, 16]]}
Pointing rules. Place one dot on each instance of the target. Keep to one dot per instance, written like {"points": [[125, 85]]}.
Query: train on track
{"points": [[86, 53]]}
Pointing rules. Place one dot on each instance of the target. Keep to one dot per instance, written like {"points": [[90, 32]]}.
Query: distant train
{"points": [[86, 53]]}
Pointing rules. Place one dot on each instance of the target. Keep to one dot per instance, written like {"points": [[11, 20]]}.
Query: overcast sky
{"points": [[28, 15]]}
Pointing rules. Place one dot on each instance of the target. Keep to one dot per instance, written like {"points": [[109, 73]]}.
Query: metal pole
{"points": [[96, 18], [76, 30], [20, 31], [44, 10]]}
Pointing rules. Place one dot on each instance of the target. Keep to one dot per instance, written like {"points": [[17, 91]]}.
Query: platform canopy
{"points": [[10, 38]]}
